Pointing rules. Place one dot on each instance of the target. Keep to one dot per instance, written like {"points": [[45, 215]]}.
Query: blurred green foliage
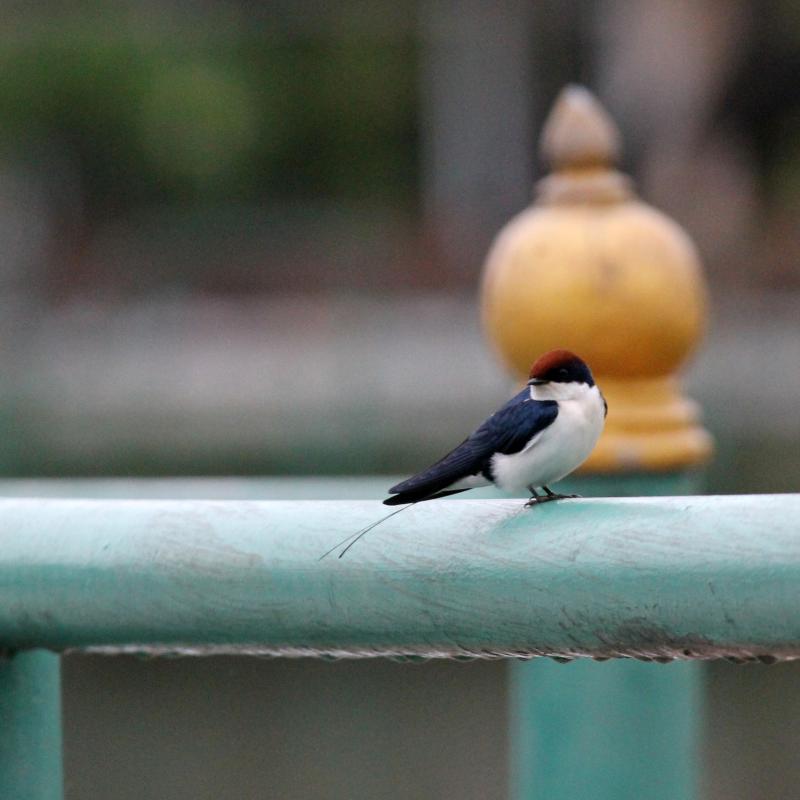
{"points": [[158, 107]]}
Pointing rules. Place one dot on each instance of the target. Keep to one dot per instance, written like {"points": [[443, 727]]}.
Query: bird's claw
{"points": [[535, 501]]}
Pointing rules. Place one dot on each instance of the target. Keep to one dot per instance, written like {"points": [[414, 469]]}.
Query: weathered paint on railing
{"points": [[656, 578]]}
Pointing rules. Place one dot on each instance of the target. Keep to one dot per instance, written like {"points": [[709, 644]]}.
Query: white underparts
{"points": [[561, 447]]}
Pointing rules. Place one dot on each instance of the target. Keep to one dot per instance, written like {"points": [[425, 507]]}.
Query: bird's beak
{"points": [[536, 382]]}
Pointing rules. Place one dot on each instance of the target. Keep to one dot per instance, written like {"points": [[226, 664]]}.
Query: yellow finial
{"points": [[591, 268], [579, 132]]}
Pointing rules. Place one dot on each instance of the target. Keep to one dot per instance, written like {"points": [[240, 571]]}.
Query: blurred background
{"points": [[246, 239]]}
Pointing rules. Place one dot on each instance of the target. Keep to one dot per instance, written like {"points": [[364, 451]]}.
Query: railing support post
{"points": [[613, 731], [30, 726]]}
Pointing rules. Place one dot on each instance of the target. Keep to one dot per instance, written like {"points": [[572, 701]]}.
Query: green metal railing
{"points": [[647, 578], [654, 578]]}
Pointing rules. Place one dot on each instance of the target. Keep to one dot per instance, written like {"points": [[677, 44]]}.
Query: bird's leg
{"points": [[551, 495], [548, 496], [535, 498]]}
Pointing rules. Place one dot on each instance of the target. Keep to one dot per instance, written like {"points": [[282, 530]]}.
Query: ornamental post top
{"points": [[591, 268], [579, 132]]}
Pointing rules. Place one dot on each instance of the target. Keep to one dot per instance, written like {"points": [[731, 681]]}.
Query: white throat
{"points": [[560, 391]]}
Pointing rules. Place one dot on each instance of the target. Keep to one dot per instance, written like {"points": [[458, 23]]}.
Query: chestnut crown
{"points": [[560, 366]]}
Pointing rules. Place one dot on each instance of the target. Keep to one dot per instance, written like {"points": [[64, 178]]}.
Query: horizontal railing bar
{"points": [[677, 577]]}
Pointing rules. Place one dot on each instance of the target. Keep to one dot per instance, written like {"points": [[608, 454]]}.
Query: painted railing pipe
{"points": [[658, 578]]}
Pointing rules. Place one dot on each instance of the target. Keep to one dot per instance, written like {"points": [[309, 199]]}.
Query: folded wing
{"points": [[506, 431]]}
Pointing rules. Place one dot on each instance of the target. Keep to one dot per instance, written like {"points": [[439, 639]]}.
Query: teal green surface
{"points": [[619, 729], [30, 734], [652, 577]]}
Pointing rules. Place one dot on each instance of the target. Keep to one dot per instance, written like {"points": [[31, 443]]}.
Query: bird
{"points": [[538, 437]]}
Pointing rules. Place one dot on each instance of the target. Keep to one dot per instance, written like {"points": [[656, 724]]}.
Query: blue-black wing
{"points": [[507, 431]]}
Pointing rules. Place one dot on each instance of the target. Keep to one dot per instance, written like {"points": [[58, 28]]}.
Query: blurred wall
{"points": [[217, 728]]}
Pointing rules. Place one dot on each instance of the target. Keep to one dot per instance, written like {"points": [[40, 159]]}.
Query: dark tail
{"points": [[418, 496]]}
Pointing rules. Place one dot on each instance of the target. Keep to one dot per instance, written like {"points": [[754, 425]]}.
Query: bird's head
{"points": [[560, 367]]}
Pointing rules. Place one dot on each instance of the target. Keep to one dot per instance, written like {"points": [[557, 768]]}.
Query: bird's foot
{"points": [[537, 501], [535, 498], [551, 495]]}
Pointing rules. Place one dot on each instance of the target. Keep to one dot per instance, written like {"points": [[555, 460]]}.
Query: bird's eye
{"points": [[563, 371]]}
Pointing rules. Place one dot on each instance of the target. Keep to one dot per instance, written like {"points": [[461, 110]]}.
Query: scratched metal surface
{"points": [[648, 578]]}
